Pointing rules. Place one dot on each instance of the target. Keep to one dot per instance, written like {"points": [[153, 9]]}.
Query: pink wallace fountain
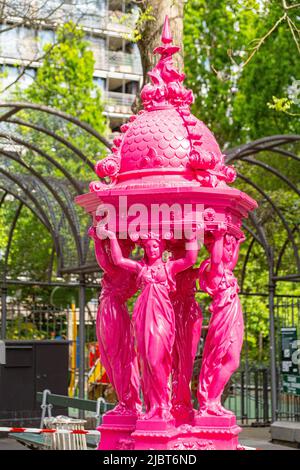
{"points": [[165, 188]]}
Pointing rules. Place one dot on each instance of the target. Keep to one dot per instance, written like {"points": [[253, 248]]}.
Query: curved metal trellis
{"points": [[271, 145], [248, 155], [48, 197], [9, 117]]}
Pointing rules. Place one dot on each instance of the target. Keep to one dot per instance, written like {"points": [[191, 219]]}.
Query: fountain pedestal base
{"points": [[205, 433], [116, 431]]}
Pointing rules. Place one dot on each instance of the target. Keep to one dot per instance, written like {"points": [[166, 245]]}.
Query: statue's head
{"points": [[228, 247], [153, 246]]}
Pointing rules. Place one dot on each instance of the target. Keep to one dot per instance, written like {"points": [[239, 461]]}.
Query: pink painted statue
{"points": [[188, 321], [166, 156], [153, 318], [223, 344], [114, 328]]}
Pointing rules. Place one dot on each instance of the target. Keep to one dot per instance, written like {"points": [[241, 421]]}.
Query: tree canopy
{"points": [[64, 81], [232, 95]]}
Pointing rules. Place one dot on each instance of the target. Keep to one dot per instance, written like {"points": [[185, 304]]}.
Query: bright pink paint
{"points": [[166, 155], [114, 329], [226, 327]]}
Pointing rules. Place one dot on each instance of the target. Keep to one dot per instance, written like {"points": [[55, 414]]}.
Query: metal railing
{"points": [[249, 397], [118, 61], [45, 322], [109, 20], [119, 99], [88, 14], [112, 61]]}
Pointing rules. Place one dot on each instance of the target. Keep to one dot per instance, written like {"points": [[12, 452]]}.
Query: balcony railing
{"points": [[88, 14], [119, 103], [111, 20], [114, 61], [117, 61]]}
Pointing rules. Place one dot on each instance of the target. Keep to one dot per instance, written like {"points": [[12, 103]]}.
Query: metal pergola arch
{"points": [[60, 195], [244, 153], [273, 145]]}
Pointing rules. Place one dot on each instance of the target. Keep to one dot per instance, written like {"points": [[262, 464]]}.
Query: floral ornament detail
{"points": [[178, 95], [152, 159], [202, 160], [228, 218], [125, 444], [209, 214], [118, 140], [229, 173], [208, 180], [95, 186], [124, 127], [110, 167]]}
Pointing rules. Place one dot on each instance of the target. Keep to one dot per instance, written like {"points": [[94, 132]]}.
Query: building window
{"points": [[100, 82], [132, 87], [8, 41], [27, 78], [45, 36], [9, 74], [17, 43], [26, 43]]}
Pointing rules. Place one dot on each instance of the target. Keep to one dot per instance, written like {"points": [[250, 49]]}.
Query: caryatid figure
{"points": [[153, 317], [223, 344], [188, 323], [114, 328]]}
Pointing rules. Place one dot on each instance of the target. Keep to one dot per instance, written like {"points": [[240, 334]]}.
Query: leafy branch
{"points": [[282, 105], [258, 43]]}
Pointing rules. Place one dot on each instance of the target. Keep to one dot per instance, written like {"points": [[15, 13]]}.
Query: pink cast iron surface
{"points": [[164, 153]]}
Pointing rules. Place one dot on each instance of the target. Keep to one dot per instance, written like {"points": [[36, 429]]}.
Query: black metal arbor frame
{"points": [[51, 201]]}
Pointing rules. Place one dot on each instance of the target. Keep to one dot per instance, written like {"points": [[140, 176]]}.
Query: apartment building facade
{"points": [[118, 70]]}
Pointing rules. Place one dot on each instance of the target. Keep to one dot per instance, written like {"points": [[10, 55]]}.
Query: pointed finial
{"points": [[166, 37]]}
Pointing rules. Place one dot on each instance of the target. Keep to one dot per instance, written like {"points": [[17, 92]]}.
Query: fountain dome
{"points": [[164, 138]]}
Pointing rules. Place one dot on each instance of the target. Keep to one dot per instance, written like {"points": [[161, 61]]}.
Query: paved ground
{"points": [[260, 439], [11, 444], [252, 437]]}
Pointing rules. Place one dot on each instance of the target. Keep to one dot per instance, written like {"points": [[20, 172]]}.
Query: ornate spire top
{"points": [[166, 36], [165, 138], [166, 89]]}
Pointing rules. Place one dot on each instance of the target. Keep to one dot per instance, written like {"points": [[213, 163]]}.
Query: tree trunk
{"points": [[151, 30]]}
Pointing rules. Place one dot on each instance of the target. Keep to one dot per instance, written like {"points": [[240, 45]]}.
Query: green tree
{"points": [[65, 78], [241, 60], [220, 37], [63, 81]]}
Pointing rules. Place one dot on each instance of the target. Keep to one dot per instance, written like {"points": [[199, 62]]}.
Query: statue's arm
{"points": [[236, 250], [100, 253], [215, 271], [117, 255], [189, 259]]}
